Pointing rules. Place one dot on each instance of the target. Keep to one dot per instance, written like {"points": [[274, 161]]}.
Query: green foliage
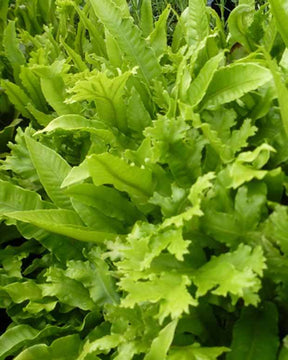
{"points": [[143, 180]]}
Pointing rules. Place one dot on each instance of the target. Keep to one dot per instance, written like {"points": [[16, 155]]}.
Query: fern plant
{"points": [[143, 198]]}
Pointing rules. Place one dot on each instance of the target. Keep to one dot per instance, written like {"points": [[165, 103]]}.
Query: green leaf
{"points": [[96, 219], [53, 87], [11, 46], [283, 355], [21, 291], [39, 351], [233, 226], [63, 222], [138, 117], [3, 17], [129, 39], [275, 228], [64, 348], [235, 273], [79, 63], [66, 290], [246, 166], [279, 9], [95, 277], [199, 85], [196, 352], [14, 338], [52, 169], [105, 343], [19, 162], [77, 174], [239, 20], [17, 97], [71, 122], [281, 90], [239, 138], [62, 247], [42, 118], [22, 335], [107, 94], [162, 343], [146, 17], [15, 198], [197, 27], [113, 51], [158, 37], [96, 37], [106, 200], [169, 289], [255, 334], [32, 85], [108, 169], [233, 81]]}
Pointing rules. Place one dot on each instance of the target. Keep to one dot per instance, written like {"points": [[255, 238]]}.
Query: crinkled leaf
{"points": [[169, 289], [236, 273]]}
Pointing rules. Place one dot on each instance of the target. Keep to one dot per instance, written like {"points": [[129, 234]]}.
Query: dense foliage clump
{"points": [[143, 180]]}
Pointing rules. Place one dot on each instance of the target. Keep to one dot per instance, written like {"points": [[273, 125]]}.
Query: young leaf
{"points": [[79, 63], [96, 36], [239, 20], [11, 46], [279, 9], [197, 27], [113, 50], [281, 90], [129, 39], [158, 37], [17, 97], [199, 85], [161, 344], [32, 84], [146, 17]]}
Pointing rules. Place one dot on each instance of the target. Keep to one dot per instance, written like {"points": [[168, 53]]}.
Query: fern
{"points": [[129, 39]]}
